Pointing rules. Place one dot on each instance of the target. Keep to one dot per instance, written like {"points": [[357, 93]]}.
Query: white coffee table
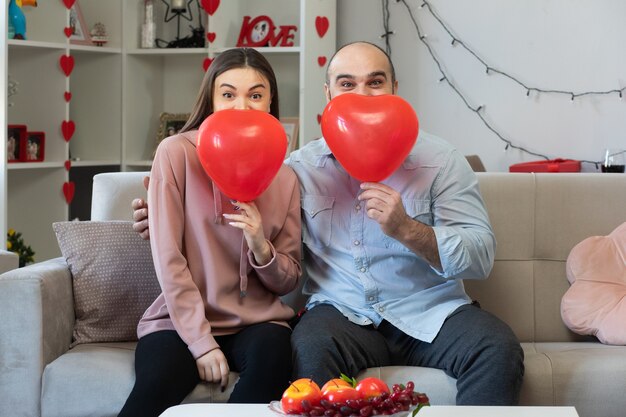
{"points": [[261, 410]]}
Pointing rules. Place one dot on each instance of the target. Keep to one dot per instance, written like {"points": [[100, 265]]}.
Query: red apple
{"points": [[372, 387], [303, 389], [335, 383], [341, 395]]}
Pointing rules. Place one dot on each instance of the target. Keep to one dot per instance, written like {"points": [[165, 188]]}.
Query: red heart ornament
{"points": [[210, 6], [68, 96], [69, 3], [321, 61], [68, 127], [67, 31], [210, 36], [206, 63], [242, 151], [68, 165], [321, 25], [67, 64], [370, 135], [68, 191]]}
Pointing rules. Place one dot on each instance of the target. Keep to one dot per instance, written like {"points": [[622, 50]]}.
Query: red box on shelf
{"points": [[552, 165], [35, 146]]}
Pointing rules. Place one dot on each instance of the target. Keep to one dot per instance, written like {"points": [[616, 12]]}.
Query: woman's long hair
{"points": [[230, 59]]}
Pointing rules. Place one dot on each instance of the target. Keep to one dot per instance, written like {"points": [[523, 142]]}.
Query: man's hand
{"points": [[213, 367], [140, 214], [384, 205], [249, 220]]}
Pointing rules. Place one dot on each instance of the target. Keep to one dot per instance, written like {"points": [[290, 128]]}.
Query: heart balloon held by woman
{"points": [[242, 151], [370, 135]]}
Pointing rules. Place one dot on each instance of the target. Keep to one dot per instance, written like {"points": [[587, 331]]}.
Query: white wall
{"points": [[571, 45]]}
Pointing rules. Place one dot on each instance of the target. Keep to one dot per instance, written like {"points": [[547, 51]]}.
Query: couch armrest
{"points": [[36, 323], [8, 261]]}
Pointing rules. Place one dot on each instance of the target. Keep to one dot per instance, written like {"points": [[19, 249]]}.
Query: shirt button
{"points": [[357, 207], [363, 269], [381, 309], [357, 243]]}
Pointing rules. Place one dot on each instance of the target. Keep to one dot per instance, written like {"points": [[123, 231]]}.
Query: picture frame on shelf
{"points": [[35, 147], [16, 143], [170, 124], [290, 124], [79, 30]]}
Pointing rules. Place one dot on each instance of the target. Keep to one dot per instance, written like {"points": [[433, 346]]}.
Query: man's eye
{"points": [[376, 83], [346, 84]]}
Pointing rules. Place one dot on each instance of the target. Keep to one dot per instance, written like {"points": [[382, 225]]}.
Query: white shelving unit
{"points": [[119, 90]]}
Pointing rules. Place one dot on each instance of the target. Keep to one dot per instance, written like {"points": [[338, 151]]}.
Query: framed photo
{"points": [[16, 143], [79, 30], [35, 146], [291, 128], [170, 124]]}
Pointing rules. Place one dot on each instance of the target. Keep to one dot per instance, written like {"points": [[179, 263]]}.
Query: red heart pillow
{"points": [[595, 304]]}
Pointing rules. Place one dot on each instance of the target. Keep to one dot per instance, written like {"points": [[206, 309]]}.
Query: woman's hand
{"points": [[249, 220], [213, 367]]}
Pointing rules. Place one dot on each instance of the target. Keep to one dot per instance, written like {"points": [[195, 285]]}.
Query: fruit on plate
{"points": [[346, 396], [300, 396]]}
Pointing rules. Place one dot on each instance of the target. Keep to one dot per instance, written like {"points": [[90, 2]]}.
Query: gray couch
{"points": [[537, 219]]}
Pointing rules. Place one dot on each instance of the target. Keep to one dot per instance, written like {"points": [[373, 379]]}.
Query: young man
{"points": [[385, 261]]}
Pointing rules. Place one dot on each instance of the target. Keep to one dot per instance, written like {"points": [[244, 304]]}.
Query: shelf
{"points": [[168, 51], [34, 165], [265, 50], [94, 163], [16, 43], [95, 49], [146, 164]]}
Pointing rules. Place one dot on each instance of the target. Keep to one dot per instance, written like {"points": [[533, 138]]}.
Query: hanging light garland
{"points": [[478, 110]]}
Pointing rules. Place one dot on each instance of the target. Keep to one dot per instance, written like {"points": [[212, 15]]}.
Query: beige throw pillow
{"points": [[112, 276]]}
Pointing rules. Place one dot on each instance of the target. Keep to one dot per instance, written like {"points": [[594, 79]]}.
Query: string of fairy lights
{"points": [[489, 69]]}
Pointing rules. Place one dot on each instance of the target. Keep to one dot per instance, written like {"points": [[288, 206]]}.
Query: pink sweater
{"points": [[210, 283]]}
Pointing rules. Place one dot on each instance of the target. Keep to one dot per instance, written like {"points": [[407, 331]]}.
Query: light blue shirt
{"points": [[369, 276]]}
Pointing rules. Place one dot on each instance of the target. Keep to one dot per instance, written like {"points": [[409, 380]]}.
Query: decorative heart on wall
{"points": [[321, 25], [206, 63], [67, 64], [321, 60], [69, 3], [319, 119], [68, 32], [370, 135], [68, 165], [68, 127], [68, 96], [68, 191], [210, 36], [210, 6]]}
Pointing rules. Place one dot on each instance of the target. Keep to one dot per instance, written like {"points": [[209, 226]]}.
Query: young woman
{"points": [[222, 265]]}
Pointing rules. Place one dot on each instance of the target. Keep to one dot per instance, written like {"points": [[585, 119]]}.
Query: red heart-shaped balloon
{"points": [[210, 36], [67, 64], [242, 151], [370, 135], [210, 6], [321, 25], [67, 128], [69, 3], [68, 191]]}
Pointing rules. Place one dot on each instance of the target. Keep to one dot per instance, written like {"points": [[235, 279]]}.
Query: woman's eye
{"points": [[257, 96], [227, 95]]}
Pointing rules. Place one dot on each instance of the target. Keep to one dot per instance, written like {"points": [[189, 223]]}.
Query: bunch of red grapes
{"points": [[370, 397]]}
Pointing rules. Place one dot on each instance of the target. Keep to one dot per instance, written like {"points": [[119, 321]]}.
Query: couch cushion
{"points": [[596, 302], [113, 278]]}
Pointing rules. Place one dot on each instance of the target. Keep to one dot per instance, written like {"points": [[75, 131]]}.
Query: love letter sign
{"points": [[261, 31], [241, 151], [370, 135]]}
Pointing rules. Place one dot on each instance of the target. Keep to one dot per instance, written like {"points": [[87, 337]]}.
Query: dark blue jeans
{"points": [[473, 346], [166, 371]]}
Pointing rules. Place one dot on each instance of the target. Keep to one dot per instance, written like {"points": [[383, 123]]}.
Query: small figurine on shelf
{"points": [[17, 20], [148, 29], [99, 34]]}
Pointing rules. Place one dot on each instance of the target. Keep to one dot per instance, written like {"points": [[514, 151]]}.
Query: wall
{"points": [[571, 45]]}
